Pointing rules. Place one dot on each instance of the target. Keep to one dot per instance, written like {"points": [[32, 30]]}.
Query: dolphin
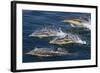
{"points": [[68, 39], [42, 52], [79, 22]]}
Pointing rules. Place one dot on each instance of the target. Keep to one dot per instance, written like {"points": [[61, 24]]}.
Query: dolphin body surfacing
{"points": [[46, 32], [78, 23], [42, 52], [68, 39], [43, 33]]}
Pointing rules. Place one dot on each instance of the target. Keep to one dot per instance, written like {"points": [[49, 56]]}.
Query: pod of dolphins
{"points": [[60, 38]]}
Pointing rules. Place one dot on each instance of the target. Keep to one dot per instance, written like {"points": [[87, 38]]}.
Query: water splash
{"points": [[60, 33], [76, 38], [87, 25]]}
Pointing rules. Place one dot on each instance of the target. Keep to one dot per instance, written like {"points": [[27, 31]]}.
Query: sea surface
{"points": [[36, 20]]}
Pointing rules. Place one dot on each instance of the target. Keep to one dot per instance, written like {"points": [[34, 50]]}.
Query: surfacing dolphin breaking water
{"points": [[47, 52], [80, 22]]}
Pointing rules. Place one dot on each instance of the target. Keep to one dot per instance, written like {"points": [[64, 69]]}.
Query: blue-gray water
{"points": [[35, 20]]}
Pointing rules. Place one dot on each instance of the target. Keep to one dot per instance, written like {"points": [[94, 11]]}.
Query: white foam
{"points": [[87, 25]]}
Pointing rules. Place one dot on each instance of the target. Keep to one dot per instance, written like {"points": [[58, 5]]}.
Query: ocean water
{"points": [[36, 20]]}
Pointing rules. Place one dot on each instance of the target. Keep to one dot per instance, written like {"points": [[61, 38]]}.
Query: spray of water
{"points": [[76, 38], [87, 25], [60, 33]]}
